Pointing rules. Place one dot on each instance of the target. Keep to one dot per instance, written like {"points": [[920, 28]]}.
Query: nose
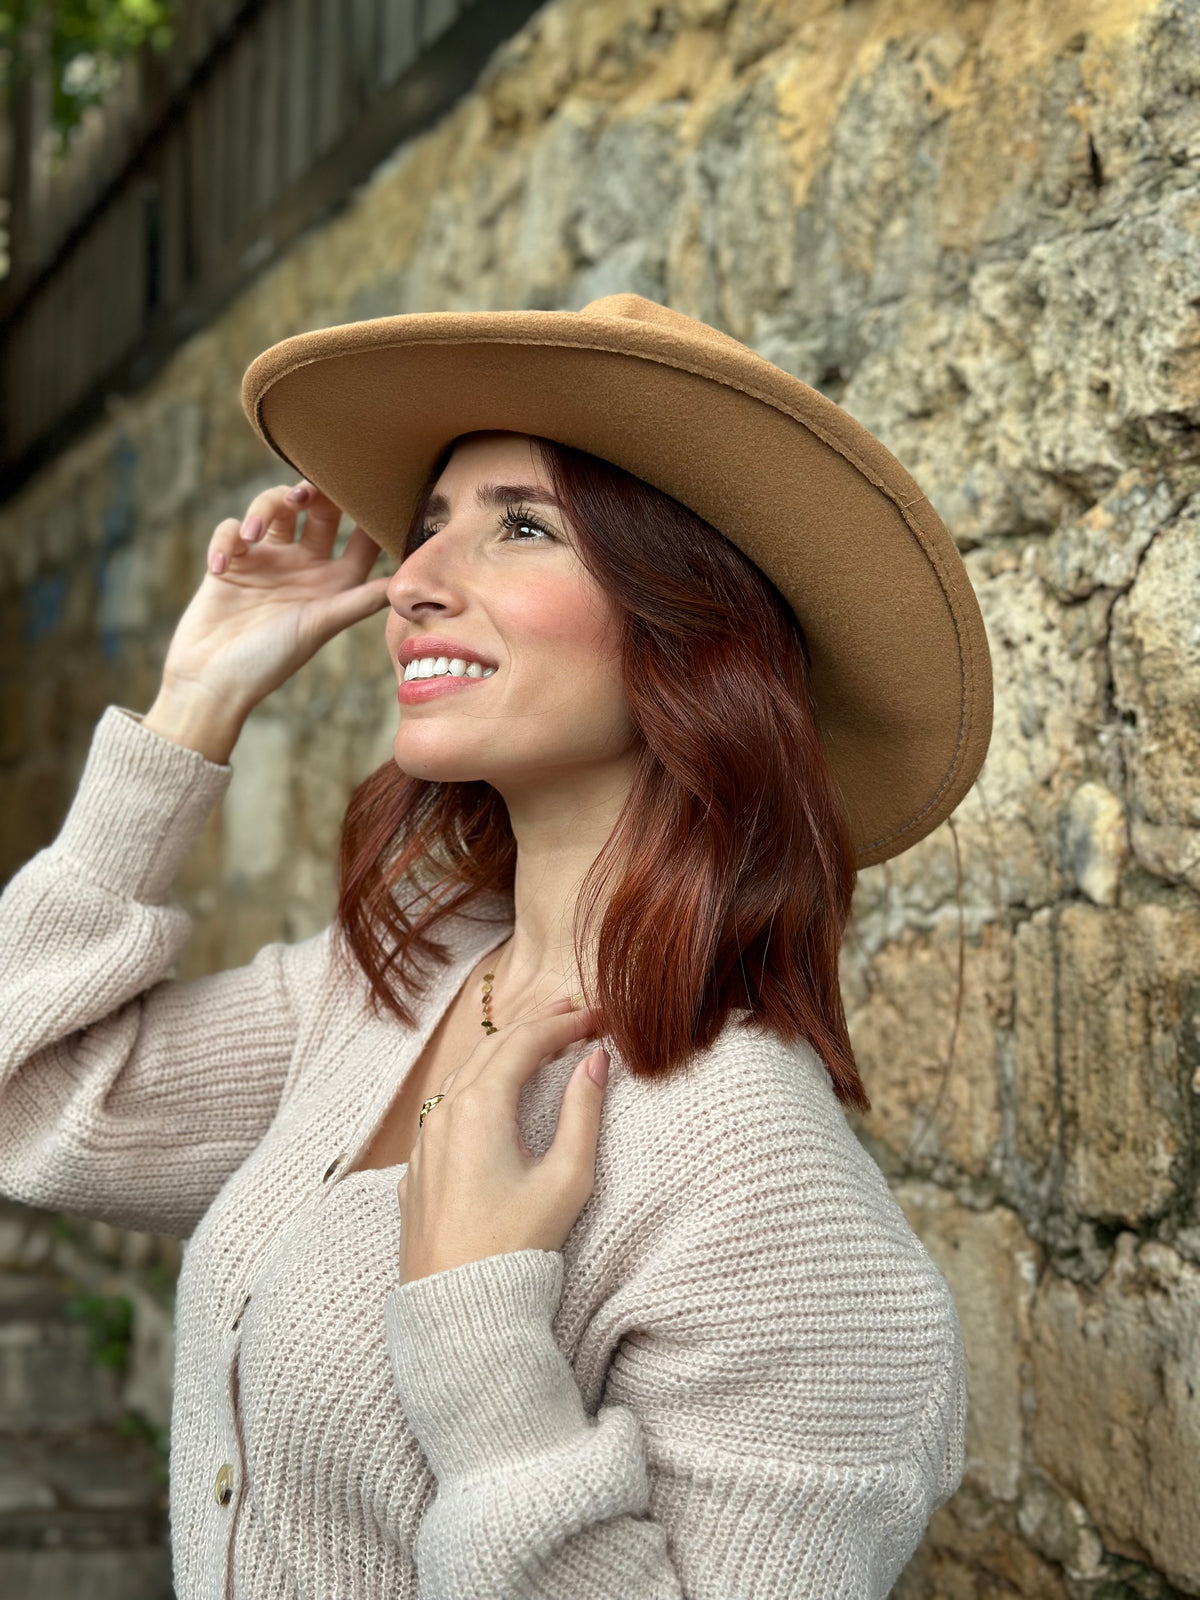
{"points": [[426, 582]]}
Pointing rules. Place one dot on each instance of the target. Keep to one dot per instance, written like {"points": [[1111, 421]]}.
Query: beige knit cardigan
{"points": [[742, 1376]]}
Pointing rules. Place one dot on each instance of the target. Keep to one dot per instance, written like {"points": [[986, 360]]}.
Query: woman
{"points": [[458, 1317]]}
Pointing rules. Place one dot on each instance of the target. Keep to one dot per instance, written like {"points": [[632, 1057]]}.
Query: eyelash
{"points": [[513, 517]]}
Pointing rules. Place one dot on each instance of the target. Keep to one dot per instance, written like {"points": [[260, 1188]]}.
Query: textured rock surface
{"points": [[84, 1404], [1135, 1461], [977, 227]]}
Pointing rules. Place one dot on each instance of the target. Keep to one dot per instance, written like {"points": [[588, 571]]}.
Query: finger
{"points": [[267, 516], [534, 1039], [225, 545], [321, 522], [353, 605], [578, 1132], [361, 553], [278, 512]]}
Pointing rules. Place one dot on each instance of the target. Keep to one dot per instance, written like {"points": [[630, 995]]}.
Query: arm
{"points": [[781, 1417], [125, 1095]]}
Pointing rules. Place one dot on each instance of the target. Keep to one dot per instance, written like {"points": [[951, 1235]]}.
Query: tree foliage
{"points": [[82, 42]]}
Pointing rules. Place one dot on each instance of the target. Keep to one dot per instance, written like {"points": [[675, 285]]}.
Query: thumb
{"points": [[579, 1117], [352, 605]]}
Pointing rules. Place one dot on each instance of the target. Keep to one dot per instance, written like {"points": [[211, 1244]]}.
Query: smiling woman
{"points": [[654, 692], [530, 1250]]}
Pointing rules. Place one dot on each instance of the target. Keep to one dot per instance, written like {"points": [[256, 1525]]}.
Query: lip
{"points": [[421, 689], [433, 645]]}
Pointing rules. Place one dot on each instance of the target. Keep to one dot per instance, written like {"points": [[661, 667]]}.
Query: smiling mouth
{"points": [[426, 667], [415, 691]]}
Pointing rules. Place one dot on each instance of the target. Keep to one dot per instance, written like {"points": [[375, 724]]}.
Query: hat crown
{"points": [[633, 305], [636, 308]]}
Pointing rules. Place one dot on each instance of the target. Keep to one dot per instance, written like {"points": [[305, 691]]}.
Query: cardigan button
{"points": [[333, 1166], [223, 1488], [237, 1321]]}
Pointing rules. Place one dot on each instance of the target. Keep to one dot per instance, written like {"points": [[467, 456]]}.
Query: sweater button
{"points": [[237, 1321], [223, 1488], [333, 1166]]}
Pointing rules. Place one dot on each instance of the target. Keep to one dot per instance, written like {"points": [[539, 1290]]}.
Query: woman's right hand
{"points": [[269, 601]]}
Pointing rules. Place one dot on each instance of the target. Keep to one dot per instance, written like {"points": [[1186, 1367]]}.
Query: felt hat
{"points": [[900, 671]]}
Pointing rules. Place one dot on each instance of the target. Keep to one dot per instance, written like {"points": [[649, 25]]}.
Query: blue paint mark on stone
{"points": [[117, 518], [42, 603], [110, 643], [117, 522]]}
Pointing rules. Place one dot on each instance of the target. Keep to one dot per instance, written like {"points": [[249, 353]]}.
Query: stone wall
{"points": [[977, 226]]}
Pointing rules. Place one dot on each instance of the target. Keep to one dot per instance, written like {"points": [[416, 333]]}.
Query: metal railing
{"points": [[207, 162]]}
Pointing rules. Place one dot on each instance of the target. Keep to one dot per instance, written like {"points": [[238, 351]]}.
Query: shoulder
{"points": [[756, 1113], [758, 1200]]}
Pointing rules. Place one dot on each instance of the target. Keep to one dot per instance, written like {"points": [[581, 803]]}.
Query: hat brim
{"points": [[901, 674]]}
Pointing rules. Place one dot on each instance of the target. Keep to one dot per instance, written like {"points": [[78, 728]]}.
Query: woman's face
{"points": [[494, 575]]}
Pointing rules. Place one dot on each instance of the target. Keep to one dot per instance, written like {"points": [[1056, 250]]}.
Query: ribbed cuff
{"points": [[139, 807], [481, 1380]]}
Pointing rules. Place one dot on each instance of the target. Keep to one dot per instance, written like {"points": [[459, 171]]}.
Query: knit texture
{"points": [[742, 1376]]}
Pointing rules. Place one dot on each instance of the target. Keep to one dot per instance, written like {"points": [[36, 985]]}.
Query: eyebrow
{"points": [[498, 495]]}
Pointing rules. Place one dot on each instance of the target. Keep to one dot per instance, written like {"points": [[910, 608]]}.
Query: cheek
{"points": [[563, 620]]}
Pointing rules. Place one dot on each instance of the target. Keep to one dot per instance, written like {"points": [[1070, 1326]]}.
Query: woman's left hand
{"points": [[472, 1189]]}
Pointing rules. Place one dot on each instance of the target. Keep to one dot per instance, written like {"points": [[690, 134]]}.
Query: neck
{"points": [[560, 829]]}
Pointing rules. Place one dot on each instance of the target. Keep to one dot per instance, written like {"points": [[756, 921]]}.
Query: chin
{"points": [[434, 765]]}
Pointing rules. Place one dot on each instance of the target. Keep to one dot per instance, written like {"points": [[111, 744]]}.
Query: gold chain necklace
{"points": [[487, 1002], [487, 1023]]}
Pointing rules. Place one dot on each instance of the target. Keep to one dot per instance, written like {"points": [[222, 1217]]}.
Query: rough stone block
{"points": [[991, 1265], [925, 1105], [1117, 1418], [256, 813], [1096, 842], [1156, 687], [1106, 1002], [1102, 548], [971, 1553]]}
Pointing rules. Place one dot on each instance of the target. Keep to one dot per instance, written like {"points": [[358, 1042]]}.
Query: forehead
{"points": [[490, 471], [485, 454]]}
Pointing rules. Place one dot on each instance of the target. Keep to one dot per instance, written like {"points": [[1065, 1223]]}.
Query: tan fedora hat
{"points": [[901, 673]]}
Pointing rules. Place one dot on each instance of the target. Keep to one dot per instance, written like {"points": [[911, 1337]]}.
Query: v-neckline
{"points": [[452, 982]]}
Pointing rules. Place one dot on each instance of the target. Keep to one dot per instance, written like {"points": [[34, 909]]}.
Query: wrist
{"points": [[197, 720]]}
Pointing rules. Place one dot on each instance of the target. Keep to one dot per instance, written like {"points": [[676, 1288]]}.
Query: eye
{"points": [[516, 518], [418, 536], [519, 520]]}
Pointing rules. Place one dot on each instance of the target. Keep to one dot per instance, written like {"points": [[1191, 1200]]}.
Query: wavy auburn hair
{"points": [[729, 874]]}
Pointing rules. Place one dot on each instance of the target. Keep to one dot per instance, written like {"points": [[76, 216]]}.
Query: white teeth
{"points": [[442, 666]]}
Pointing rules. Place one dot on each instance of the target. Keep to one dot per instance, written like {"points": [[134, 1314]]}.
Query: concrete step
{"points": [[83, 1516], [49, 1375]]}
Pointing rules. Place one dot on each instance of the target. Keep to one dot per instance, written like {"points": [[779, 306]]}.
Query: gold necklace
{"points": [[487, 1002]]}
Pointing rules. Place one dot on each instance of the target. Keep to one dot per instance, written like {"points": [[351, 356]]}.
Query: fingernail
{"points": [[298, 494], [251, 528], [217, 563], [598, 1066]]}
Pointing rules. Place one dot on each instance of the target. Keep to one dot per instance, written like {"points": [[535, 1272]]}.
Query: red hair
{"points": [[729, 874]]}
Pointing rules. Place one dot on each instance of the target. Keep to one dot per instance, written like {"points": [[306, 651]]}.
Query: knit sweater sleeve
{"points": [[124, 1094], [781, 1417]]}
